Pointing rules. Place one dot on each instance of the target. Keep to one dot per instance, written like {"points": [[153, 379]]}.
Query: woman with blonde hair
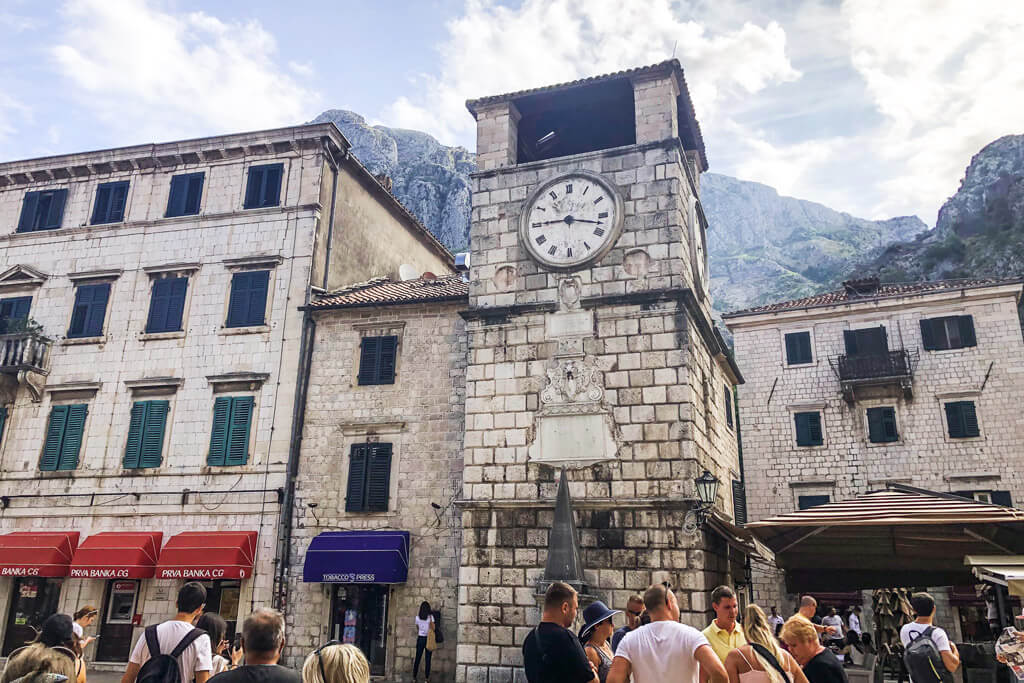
{"points": [[761, 660], [818, 663], [336, 663]]}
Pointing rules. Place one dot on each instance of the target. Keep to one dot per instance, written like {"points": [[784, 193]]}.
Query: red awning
{"points": [[208, 555], [117, 555], [37, 553]]}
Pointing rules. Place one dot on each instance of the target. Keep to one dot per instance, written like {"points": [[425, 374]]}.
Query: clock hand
{"points": [[583, 220]]}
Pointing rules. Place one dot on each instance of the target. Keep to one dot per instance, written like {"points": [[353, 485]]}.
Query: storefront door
{"points": [[33, 599], [359, 615], [115, 641], [222, 597]]}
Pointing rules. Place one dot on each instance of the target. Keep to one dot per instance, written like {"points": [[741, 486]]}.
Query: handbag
{"points": [[431, 638]]}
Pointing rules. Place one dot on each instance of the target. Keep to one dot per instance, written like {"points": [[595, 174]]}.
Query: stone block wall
{"points": [[421, 415]]}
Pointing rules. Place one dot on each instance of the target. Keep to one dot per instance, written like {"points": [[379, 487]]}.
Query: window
{"points": [[739, 502], [146, 434], [264, 186], [110, 201], [64, 438], [90, 310], [866, 342], [798, 348], [186, 192], [804, 502], [13, 310], [167, 305], [962, 420], [952, 332], [369, 477], [229, 439], [248, 303], [728, 406], [882, 425], [377, 360], [42, 210], [3, 420], [994, 497], [808, 429]]}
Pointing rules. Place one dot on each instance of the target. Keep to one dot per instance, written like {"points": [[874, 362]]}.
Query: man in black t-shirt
{"points": [[262, 642], [551, 652]]}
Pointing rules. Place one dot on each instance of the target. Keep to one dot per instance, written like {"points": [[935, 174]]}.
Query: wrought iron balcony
{"points": [[895, 367]]}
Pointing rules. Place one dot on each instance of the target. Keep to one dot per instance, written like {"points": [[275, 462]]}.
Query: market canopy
{"points": [[1004, 570], [37, 553], [205, 555], [117, 555], [901, 536], [357, 557]]}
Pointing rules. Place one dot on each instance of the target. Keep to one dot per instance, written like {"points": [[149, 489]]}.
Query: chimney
{"points": [[385, 180], [862, 287]]}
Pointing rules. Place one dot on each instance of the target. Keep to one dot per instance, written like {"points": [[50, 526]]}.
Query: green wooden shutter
{"points": [[55, 216], [802, 437], [1002, 498], [728, 406], [739, 502], [101, 209], [928, 335], [814, 429], [355, 495], [238, 433], [378, 478], [54, 437], [219, 433], [970, 418], [133, 447], [792, 350], [71, 447], [889, 424], [3, 420], [967, 336], [152, 444], [955, 420], [369, 358], [850, 340], [254, 187], [876, 430], [27, 222], [386, 365]]}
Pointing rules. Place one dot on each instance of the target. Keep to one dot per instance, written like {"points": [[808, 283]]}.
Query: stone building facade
{"points": [[606, 366], [915, 383], [418, 417], [152, 344]]}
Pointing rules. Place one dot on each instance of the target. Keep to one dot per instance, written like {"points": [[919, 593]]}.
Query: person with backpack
{"points": [[551, 652], [174, 651], [928, 653], [262, 643]]}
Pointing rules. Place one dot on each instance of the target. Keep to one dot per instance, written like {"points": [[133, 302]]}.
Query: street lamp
{"points": [[707, 492]]}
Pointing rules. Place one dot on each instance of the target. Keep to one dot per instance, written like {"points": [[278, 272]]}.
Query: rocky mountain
{"points": [[980, 229], [762, 247]]}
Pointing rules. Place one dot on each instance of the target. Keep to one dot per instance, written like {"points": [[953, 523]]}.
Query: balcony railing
{"points": [[887, 368], [24, 351]]}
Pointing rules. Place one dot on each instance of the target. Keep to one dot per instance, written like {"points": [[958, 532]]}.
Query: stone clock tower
{"points": [[592, 352]]}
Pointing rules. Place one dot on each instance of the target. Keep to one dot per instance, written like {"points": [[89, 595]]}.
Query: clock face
{"points": [[571, 220]]}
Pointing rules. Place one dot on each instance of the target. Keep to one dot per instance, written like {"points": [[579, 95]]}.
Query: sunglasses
{"points": [[634, 613], [320, 660]]}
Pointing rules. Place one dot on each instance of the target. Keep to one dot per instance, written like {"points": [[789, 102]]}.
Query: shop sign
{"points": [[195, 573], [100, 573], [29, 590], [349, 578], [19, 571], [124, 586]]}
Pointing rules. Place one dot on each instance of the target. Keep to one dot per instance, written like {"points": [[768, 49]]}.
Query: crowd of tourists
{"points": [[653, 646]]}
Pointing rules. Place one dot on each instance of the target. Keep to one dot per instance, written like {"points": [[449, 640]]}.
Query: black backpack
{"points": [[438, 631], [161, 668], [923, 659]]}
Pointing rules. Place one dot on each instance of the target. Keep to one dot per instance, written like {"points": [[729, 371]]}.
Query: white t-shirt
{"points": [[775, 621], [662, 651], [77, 628], [837, 622], [938, 635], [196, 657], [423, 625], [855, 623]]}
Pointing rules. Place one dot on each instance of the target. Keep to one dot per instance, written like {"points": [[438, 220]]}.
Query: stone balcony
{"points": [[25, 358], [872, 375]]}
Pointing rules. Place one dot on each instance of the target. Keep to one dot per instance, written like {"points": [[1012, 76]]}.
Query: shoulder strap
{"points": [[769, 657], [740, 650], [152, 642], [186, 641], [928, 632]]}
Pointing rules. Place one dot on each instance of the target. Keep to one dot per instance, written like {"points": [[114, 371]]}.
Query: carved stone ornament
{"points": [[569, 293], [573, 381]]}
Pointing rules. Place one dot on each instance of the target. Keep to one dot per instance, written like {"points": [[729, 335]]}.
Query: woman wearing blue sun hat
{"points": [[595, 634]]}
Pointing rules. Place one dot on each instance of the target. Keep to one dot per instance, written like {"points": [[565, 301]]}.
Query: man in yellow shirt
{"points": [[723, 633]]}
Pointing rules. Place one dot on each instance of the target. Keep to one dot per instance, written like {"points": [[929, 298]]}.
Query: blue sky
{"points": [[868, 106]]}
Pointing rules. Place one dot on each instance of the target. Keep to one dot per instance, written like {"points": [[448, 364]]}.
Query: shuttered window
{"points": [[728, 406], [229, 438], [798, 348], [186, 193], [882, 425], [866, 342], [369, 478], [808, 429], [263, 187], [90, 310], [146, 434], [739, 502], [64, 434], [995, 497], [14, 309], [110, 202], [247, 305], [962, 420], [42, 210], [951, 332], [377, 360], [3, 420], [804, 502], [167, 306]]}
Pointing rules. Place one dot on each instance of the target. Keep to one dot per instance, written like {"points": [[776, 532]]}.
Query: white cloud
{"points": [[156, 76], [11, 110], [493, 49]]}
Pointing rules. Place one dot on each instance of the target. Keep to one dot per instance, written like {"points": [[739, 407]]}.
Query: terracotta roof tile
{"points": [[884, 291], [386, 292]]}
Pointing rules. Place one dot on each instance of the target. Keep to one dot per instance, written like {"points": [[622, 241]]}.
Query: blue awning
{"points": [[358, 557]]}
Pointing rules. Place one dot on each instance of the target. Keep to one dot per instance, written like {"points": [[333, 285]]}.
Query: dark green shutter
{"points": [[73, 435], [254, 187], [791, 349], [1002, 498], [194, 193], [102, 208], [118, 202], [850, 340], [876, 430], [355, 495], [814, 429], [219, 433], [272, 186], [259, 281], [54, 437], [970, 418], [153, 434], [55, 215], [378, 478], [967, 336], [805, 502], [369, 357], [238, 434], [739, 502], [728, 406], [238, 301], [955, 421], [133, 447], [928, 335], [802, 437], [27, 222], [3, 420], [889, 424], [176, 197], [388, 351], [247, 304]]}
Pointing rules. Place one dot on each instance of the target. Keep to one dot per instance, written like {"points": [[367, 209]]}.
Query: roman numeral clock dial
{"points": [[571, 220]]}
